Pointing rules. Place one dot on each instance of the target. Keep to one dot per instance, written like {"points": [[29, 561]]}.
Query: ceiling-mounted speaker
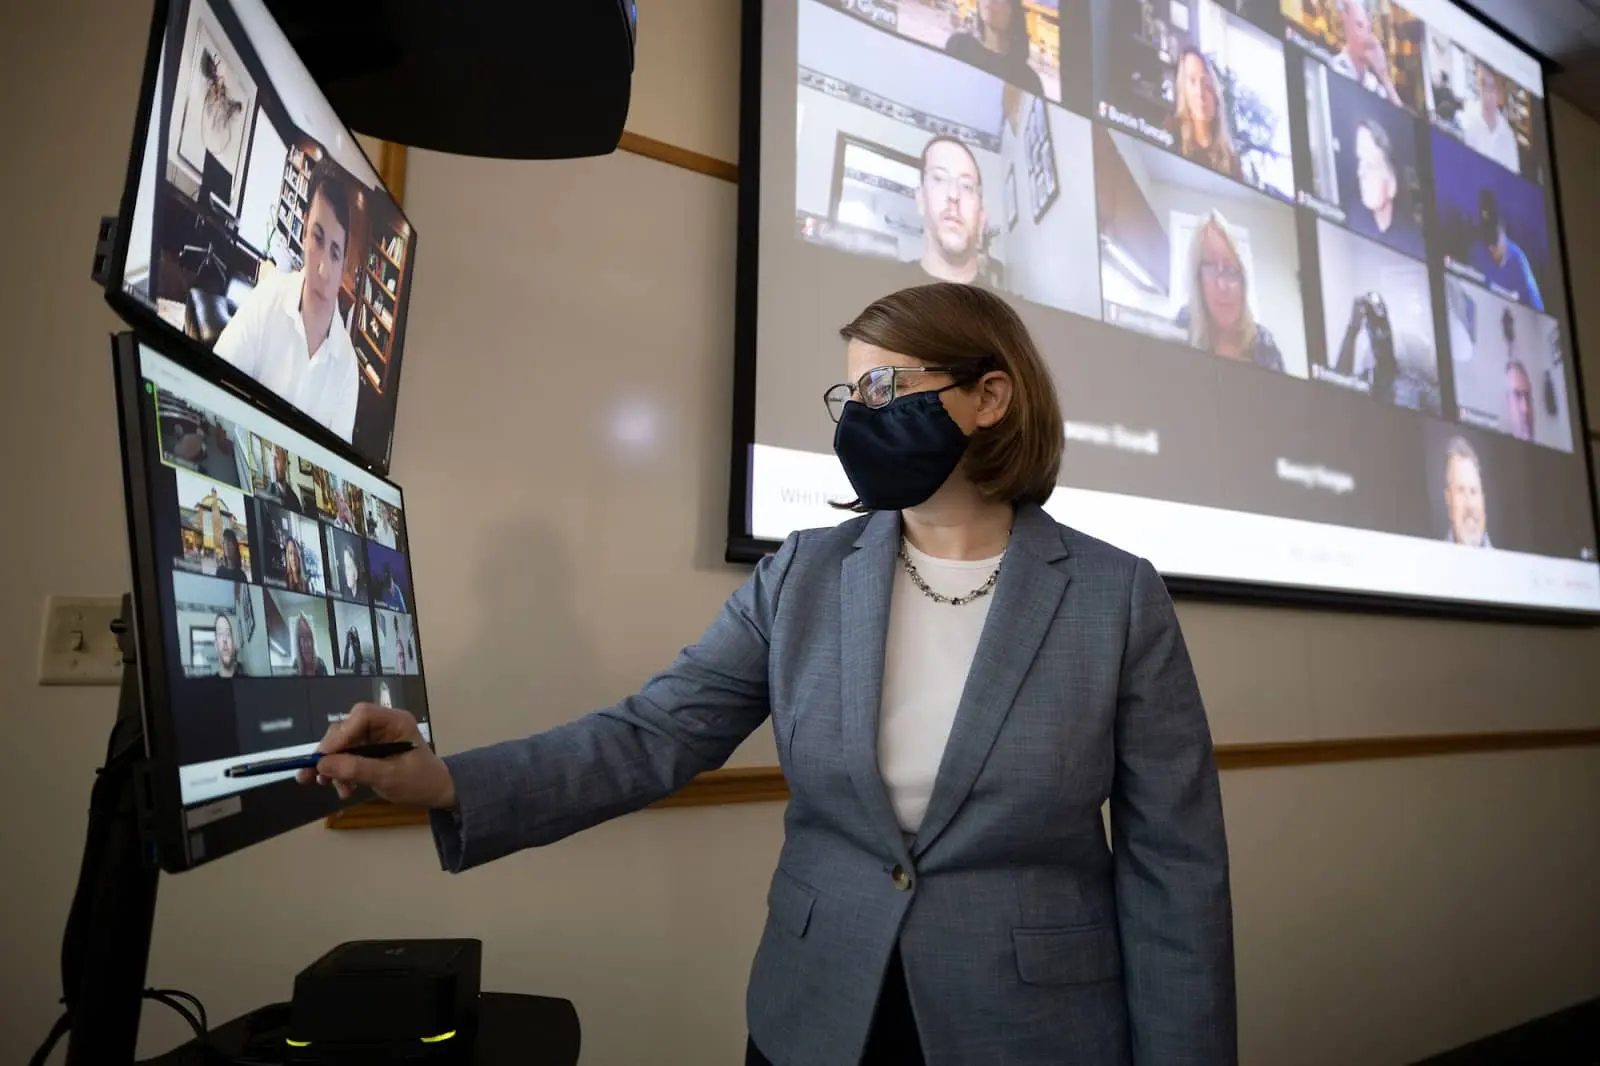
{"points": [[496, 78]]}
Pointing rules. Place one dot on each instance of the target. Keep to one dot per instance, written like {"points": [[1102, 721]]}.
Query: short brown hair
{"points": [[963, 326]]}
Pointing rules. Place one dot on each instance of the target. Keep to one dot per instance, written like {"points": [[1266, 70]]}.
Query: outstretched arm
{"points": [[1169, 848], [686, 720]]}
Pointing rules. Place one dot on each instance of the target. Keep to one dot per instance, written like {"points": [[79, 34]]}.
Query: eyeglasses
{"points": [[1226, 273], [879, 386]]}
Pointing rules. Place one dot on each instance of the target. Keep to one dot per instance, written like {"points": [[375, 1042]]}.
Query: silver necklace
{"points": [[939, 597]]}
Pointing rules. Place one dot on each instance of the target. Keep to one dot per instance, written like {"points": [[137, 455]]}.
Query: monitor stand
{"points": [[106, 947]]}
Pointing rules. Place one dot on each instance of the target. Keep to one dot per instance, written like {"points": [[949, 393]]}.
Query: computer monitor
{"points": [[255, 237], [272, 592]]}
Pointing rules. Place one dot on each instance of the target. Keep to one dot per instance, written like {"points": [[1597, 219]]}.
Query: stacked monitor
{"points": [[255, 230], [265, 269], [1296, 268], [273, 586]]}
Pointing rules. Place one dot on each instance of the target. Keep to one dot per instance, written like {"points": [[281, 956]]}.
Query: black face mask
{"points": [[898, 455]]}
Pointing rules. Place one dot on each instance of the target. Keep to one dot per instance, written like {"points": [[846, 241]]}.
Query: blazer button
{"points": [[902, 880]]}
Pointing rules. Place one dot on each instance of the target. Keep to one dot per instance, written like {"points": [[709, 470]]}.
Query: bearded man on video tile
{"points": [[1464, 497]]}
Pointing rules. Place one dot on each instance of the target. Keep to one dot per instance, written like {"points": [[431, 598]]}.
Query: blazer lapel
{"points": [[866, 579], [1027, 596]]}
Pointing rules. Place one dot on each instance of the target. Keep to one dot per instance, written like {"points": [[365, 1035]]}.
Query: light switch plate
{"points": [[78, 647]]}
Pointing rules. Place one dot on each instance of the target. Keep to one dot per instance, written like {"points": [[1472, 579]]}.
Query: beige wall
{"points": [[563, 441]]}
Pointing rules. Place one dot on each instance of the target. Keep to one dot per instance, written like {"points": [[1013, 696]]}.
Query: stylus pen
{"points": [[309, 762]]}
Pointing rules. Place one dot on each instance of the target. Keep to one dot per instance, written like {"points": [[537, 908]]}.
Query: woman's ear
{"points": [[994, 398]]}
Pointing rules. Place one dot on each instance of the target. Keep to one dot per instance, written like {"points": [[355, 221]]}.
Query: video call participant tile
{"points": [[271, 714], [388, 692], [1510, 371], [386, 524], [1477, 488], [389, 578], [397, 643], [219, 627], [1019, 43], [213, 528], [1263, 13], [1163, 72], [1375, 43], [291, 550], [398, 693], [198, 441], [352, 631], [271, 168], [910, 157], [1493, 224], [1046, 209], [1318, 454], [1488, 110], [336, 502], [1140, 414], [1377, 309], [330, 701], [312, 487], [350, 509], [203, 714], [270, 465], [347, 566], [1191, 257], [888, 97], [298, 639], [1555, 490], [1364, 167]]}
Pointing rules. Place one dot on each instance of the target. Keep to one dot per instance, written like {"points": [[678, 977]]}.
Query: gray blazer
{"points": [[1027, 940]]}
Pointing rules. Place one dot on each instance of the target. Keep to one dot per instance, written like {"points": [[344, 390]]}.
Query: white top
{"points": [[926, 658], [1499, 144], [1368, 77], [267, 340]]}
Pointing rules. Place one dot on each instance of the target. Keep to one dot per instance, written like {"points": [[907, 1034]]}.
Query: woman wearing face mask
{"points": [[957, 684]]}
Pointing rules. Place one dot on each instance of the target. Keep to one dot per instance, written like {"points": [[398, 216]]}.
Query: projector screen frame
{"points": [[190, 352], [745, 549]]}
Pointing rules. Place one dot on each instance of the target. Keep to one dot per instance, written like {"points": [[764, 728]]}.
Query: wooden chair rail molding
{"points": [[761, 784], [764, 784]]}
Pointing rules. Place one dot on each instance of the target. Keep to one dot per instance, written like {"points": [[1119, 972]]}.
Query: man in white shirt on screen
{"points": [[288, 333], [1485, 128]]}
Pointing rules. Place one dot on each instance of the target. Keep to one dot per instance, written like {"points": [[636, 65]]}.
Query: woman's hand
{"points": [[416, 779]]}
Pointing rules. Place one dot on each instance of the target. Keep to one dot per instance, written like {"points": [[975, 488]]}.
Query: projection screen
{"points": [[1296, 269]]}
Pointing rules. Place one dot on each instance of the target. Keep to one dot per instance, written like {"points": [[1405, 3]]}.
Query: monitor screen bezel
{"points": [[177, 344], [743, 547], [288, 805]]}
